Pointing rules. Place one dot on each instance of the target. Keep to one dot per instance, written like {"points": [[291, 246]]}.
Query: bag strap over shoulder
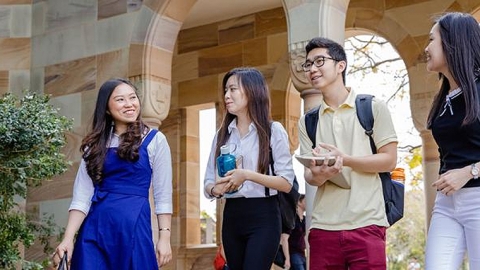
{"points": [[271, 161], [271, 166], [267, 190], [363, 104], [311, 122]]}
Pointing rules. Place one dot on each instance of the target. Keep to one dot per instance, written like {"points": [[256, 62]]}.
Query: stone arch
{"points": [[289, 97], [408, 47], [244, 42], [410, 38], [151, 51], [173, 104]]}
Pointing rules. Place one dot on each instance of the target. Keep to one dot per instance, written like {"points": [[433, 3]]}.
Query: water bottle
{"points": [[226, 161], [398, 174]]}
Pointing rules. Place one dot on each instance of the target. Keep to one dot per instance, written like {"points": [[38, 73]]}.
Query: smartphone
{"points": [[305, 160], [330, 161]]}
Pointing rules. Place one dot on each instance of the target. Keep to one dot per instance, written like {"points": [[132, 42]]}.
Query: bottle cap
{"points": [[224, 149], [398, 174]]}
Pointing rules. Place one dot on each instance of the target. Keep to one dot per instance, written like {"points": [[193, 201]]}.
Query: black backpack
{"points": [[287, 201], [393, 191]]}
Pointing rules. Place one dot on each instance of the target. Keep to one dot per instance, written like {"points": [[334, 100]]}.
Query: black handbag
{"points": [[288, 206], [280, 257], [63, 265], [287, 201]]}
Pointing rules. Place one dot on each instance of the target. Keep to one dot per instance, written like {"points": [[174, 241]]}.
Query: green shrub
{"points": [[32, 134]]}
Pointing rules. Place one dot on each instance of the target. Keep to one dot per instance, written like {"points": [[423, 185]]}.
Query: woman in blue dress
{"points": [[122, 157]]}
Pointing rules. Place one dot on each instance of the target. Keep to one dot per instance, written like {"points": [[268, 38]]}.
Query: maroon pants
{"points": [[358, 249]]}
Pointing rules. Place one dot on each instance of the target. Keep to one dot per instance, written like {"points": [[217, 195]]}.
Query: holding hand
{"points": [[326, 150], [64, 246], [322, 173], [219, 189], [452, 180], [232, 181]]}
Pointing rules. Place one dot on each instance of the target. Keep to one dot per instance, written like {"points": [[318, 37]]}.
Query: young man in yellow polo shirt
{"points": [[348, 219]]}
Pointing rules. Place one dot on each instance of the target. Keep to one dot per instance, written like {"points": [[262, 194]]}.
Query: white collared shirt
{"points": [[247, 147], [161, 164]]}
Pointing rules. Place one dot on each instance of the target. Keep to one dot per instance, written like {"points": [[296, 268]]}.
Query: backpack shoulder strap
{"points": [[311, 122], [270, 158], [363, 104]]}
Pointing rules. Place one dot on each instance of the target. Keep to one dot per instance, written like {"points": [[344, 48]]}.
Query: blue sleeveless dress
{"points": [[116, 234]]}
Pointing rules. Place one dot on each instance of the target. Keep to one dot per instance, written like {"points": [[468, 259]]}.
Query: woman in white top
{"points": [[251, 219], [110, 209]]}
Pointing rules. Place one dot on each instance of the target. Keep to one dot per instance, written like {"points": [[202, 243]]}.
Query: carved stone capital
{"points": [[155, 97], [297, 58]]}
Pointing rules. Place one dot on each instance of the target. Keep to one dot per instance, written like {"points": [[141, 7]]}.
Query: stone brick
{"points": [[197, 38], [270, 22], [219, 59], [255, 52], [110, 8], [15, 53], [71, 77]]}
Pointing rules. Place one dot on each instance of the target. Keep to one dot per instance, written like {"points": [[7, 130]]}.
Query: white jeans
{"points": [[454, 229]]}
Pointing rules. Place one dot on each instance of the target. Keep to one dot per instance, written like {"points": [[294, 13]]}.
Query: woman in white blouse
{"points": [[251, 219], [110, 209]]}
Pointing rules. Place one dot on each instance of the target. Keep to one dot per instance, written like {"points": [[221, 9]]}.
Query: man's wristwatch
{"points": [[475, 171]]}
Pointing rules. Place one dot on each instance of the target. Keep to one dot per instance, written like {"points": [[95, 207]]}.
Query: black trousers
{"points": [[251, 232]]}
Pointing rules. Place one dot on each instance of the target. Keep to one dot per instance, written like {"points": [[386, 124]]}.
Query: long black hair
{"points": [[460, 35]]}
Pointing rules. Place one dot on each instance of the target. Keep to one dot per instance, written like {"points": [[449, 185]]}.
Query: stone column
{"points": [[155, 98], [431, 166], [423, 87], [172, 128]]}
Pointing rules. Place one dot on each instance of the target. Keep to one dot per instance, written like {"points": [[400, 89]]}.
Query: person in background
{"points": [[355, 212], [251, 218], [454, 119], [110, 208], [296, 241], [414, 264], [292, 242]]}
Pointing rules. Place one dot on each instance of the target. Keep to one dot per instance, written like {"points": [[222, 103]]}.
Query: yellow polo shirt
{"points": [[337, 208]]}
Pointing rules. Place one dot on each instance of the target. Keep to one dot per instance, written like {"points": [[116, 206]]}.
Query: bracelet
{"points": [[211, 193], [164, 229]]}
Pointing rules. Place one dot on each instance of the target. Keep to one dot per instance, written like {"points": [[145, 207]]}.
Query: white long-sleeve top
{"points": [[161, 163], [248, 147]]}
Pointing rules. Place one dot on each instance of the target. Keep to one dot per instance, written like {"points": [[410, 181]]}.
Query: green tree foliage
{"points": [[414, 161], [406, 239], [32, 134]]}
